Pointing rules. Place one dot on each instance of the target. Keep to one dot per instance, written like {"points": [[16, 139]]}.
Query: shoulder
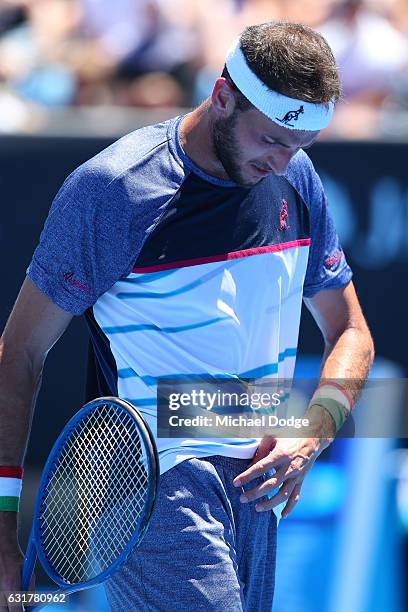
{"points": [[303, 177], [140, 156]]}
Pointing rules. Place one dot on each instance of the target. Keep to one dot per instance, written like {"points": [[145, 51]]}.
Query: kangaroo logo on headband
{"points": [[291, 116]]}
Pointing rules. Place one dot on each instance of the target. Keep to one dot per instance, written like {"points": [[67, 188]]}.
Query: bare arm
{"points": [[34, 326], [349, 348]]}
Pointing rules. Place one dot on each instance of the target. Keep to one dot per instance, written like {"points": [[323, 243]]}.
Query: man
{"points": [[189, 246]]}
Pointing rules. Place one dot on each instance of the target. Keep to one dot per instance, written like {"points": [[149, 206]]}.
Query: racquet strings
{"points": [[95, 499]]}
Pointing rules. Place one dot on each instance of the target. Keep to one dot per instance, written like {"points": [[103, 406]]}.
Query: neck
{"points": [[195, 133]]}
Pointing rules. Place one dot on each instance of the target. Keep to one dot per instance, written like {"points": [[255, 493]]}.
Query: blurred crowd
{"points": [[155, 53]]}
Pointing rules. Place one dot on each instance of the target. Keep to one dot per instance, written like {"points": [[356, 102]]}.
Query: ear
{"points": [[223, 98]]}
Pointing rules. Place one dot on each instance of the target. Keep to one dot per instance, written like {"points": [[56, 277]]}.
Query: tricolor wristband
{"points": [[10, 488], [335, 400]]}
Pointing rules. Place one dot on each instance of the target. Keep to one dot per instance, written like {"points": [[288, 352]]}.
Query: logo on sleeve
{"points": [[331, 260], [284, 216], [69, 277]]}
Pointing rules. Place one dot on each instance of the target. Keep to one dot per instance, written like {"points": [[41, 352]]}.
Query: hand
{"points": [[291, 458], [11, 561], [10, 577]]}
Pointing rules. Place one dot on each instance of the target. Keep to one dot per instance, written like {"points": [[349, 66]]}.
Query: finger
{"points": [[281, 496], [3, 601], [14, 607], [265, 487], [257, 469], [32, 583], [266, 445], [32, 589], [292, 501], [9, 603]]}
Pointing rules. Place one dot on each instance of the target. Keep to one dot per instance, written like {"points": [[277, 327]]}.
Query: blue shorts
{"points": [[204, 550]]}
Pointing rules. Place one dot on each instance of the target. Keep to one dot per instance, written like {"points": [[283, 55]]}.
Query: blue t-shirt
{"points": [[180, 273]]}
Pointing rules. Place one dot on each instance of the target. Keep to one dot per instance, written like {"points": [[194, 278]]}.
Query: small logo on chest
{"points": [[284, 216]]}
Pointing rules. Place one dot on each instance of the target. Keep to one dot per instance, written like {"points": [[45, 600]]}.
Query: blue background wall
{"points": [[367, 186]]}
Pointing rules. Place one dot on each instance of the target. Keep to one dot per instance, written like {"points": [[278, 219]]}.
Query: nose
{"points": [[280, 159]]}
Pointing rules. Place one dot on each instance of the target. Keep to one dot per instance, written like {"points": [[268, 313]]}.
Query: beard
{"points": [[227, 149]]}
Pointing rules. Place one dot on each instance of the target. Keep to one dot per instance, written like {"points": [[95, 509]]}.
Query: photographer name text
{"points": [[217, 420]]}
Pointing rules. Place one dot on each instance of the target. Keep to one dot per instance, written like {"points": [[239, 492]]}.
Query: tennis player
{"points": [[189, 246]]}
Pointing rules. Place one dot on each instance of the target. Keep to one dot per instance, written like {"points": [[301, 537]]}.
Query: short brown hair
{"points": [[291, 59]]}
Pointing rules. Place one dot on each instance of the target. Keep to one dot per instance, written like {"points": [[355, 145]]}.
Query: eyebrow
{"points": [[283, 144]]}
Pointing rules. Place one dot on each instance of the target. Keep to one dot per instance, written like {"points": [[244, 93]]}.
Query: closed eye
{"points": [[267, 141], [275, 142]]}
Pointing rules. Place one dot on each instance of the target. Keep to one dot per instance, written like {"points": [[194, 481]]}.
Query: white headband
{"points": [[287, 112]]}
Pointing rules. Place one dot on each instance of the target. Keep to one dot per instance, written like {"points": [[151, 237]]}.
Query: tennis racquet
{"points": [[95, 497]]}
